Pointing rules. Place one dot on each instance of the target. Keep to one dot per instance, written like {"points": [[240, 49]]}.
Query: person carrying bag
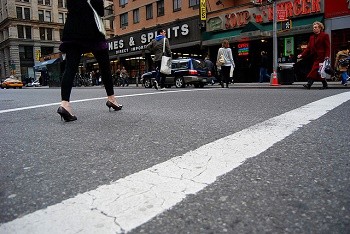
{"points": [[156, 47]]}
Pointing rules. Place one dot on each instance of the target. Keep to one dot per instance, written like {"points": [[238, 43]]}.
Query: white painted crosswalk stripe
{"points": [[131, 201]]}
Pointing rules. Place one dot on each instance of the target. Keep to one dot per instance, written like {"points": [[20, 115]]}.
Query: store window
{"points": [[45, 34], [62, 3], [26, 13], [61, 18], [46, 50], [124, 20], [26, 52], [160, 8], [41, 15], [48, 16], [194, 3], [149, 11], [177, 5], [24, 32], [136, 16], [23, 13], [123, 2], [44, 2]]}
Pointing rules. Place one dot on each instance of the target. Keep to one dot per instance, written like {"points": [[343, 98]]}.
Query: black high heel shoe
{"points": [[114, 106], [68, 117]]}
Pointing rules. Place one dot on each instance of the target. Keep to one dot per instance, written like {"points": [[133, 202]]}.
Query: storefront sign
{"points": [[281, 15], [203, 10], [340, 8], [264, 14], [177, 33], [243, 49]]}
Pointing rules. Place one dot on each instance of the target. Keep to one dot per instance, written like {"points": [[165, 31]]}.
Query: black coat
{"points": [[80, 24]]}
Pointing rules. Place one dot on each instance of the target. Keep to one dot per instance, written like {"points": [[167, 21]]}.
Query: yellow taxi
{"points": [[11, 83]]}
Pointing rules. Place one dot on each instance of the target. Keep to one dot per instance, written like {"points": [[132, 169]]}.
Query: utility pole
{"points": [[275, 54]]}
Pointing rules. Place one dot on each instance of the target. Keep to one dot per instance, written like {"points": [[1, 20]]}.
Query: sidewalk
{"points": [[265, 85]]}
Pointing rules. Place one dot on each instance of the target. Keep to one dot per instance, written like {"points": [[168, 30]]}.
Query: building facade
{"points": [[136, 23], [30, 33]]}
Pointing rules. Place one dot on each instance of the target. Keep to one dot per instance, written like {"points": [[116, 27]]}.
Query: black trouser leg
{"points": [[71, 68], [102, 58], [324, 83]]}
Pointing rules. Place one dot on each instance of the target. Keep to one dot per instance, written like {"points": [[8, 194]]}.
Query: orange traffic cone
{"points": [[274, 80]]}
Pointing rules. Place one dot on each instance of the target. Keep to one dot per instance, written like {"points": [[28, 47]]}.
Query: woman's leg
{"points": [[102, 58], [71, 68], [226, 74]]}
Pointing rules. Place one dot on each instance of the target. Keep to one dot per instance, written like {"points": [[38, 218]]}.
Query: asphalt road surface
{"points": [[209, 160]]}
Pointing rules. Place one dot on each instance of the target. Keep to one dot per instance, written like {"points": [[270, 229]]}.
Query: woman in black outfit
{"points": [[81, 35]]}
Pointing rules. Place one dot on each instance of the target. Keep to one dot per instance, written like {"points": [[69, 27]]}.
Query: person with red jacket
{"points": [[318, 49]]}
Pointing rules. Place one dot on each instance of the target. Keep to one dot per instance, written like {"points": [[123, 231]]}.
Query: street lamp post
{"points": [[275, 54]]}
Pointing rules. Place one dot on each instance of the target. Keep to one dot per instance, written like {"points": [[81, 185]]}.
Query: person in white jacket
{"points": [[228, 64]]}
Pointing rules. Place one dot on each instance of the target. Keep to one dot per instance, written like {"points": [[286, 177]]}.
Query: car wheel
{"points": [[201, 85], [179, 82], [196, 85], [148, 83]]}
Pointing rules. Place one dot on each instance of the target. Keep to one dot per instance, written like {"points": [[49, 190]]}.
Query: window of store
{"points": [[41, 15], [194, 3], [26, 52], [23, 13], [149, 11], [44, 2], [45, 34], [24, 31], [123, 2], [26, 13], [48, 16], [49, 34], [28, 31], [177, 5], [20, 31], [124, 20], [62, 3], [136, 16], [61, 17], [160, 8], [19, 12], [46, 50]]}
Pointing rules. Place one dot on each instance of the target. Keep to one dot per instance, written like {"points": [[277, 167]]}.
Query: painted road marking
{"points": [[131, 201], [99, 98]]}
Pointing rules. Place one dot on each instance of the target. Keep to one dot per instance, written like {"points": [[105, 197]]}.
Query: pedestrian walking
{"points": [[319, 49], [342, 64], [264, 63], [226, 65], [81, 35], [156, 47], [124, 76], [211, 67]]}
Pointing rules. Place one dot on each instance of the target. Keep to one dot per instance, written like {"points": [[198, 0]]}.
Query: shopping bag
{"points": [[231, 70], [322, 69], [165, 66]]}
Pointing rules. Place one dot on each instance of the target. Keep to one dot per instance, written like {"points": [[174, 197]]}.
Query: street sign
{"points": [[281, 15], [286, 25], [203, 10]]}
